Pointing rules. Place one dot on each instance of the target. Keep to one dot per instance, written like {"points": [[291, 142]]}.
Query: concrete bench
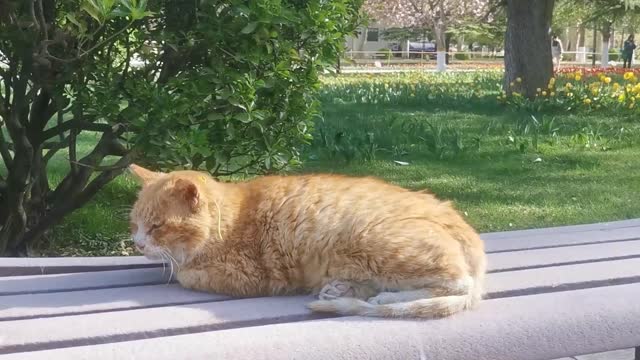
{"points": [[551, 293]]}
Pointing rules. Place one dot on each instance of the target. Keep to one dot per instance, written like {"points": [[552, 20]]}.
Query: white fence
{"points": [[458, 59]]}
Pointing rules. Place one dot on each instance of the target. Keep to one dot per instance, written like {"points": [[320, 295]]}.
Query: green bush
{"points": [[614, 55], [248, 104], [220, 85], [461, 56], [385, 53]]}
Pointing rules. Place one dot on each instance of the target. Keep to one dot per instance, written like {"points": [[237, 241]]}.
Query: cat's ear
{"points": [[144, 175], [188, 192]]}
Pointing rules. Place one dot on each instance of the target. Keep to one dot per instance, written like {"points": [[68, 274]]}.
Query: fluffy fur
{"points": [[364, 246]]}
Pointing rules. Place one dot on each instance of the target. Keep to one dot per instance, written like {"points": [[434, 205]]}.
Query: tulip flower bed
{"points": [[583, 90]]}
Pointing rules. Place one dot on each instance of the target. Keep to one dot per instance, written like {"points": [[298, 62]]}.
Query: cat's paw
{"points": [[383, 298], [336, 289]]}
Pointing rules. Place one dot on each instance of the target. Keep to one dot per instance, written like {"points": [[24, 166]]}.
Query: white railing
{"points": [[383, 58]]}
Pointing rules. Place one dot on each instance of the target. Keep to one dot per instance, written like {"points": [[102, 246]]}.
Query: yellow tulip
{"points": [[587, 101]]}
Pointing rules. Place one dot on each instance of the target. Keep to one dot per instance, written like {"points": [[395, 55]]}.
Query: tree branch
{"points": [[92, 49], [54, 148], [75, 124], [77, 200], [6, 78], [101, 167], [73, 154], [4, 150], [41, 111], [74, 181], [43, 23]]}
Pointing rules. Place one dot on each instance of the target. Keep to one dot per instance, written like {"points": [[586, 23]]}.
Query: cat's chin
{"points": [[153, 256]]}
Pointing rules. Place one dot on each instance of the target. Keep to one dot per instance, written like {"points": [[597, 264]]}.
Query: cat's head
{"points": [[170, 218]]}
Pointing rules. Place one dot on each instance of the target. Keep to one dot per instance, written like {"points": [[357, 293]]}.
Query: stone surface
{"points": [[551, 293]]}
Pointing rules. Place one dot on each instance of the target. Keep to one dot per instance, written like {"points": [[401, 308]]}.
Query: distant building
{"points": [[368, 39]]}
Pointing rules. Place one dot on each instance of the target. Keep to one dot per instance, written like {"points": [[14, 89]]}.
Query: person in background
{"points": [[627, 51], [556, 51]]}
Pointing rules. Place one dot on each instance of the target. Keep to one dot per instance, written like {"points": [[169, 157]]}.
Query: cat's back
{"points": [[316, 222], [327, 199]]}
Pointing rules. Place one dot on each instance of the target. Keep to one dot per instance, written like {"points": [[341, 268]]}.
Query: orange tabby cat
{"points": [[364, 246]]}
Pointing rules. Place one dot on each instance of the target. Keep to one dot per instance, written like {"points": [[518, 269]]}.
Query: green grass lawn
{"points": [[498, 186], [500, 167]]}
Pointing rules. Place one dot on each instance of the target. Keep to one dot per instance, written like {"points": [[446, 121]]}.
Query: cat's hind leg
{"points": [[427, 301], [409, 291], [337, 288]]}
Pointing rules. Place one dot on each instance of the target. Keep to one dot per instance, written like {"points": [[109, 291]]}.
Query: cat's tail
{"points": [[436, 307]]}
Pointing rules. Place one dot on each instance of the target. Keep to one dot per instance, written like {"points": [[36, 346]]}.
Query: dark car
{"points": [[422, 49], [396, 49]]}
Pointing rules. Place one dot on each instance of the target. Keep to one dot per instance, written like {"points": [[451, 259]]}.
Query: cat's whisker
{"points": [[171, 273], [165, 259], [172, 262], [164, 264]]}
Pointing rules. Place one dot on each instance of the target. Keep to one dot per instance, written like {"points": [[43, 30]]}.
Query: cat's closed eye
{"points": [[154, 227]]}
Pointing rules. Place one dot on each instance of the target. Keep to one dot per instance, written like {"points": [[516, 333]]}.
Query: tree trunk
{"points": [[362, 40], [595, 39], [582, 33], [606, 38], [439, 30], [528, 46], [447, 43]]}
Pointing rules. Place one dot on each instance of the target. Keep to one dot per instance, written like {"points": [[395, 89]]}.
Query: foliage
{"points": [[252, 106], [484, 33], [568, 13], [222, 85], [438, 15], [409, 33]]}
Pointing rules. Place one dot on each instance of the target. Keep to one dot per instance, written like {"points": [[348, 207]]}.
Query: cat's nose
{"points": [[139, 244]]}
